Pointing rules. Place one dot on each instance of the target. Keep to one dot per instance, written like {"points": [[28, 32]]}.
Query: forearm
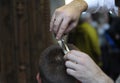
{"points": [[102, 78]]}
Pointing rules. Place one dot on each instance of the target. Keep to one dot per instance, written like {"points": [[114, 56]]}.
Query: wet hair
{"points": [[52, 66]]}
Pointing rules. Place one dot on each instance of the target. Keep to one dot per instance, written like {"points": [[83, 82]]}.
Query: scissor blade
{"points": [[64, 46]]}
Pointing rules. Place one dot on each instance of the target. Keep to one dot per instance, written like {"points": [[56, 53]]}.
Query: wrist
{"points": [[103, 78], [81, 5]]}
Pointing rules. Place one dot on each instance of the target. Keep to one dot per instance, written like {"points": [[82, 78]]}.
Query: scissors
{"points": [[63, 45]]}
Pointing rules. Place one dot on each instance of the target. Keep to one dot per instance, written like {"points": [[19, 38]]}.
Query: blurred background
{"points": [[24, 34]]}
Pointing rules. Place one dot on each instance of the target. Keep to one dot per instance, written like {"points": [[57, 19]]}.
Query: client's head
{"points": [[51, 66]]}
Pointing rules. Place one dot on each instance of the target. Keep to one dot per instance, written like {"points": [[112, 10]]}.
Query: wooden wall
{"points": [[24, 33]]}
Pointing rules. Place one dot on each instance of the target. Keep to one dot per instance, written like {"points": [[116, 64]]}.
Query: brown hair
{"points": [[51, 66]]}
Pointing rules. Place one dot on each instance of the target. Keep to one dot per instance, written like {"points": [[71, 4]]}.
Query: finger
{"points": [[71, 65], [72, 52], [65, 56], [62, 28], [70, 27], [81, 56], [57, 24], [52, 22], [73, 58], [78, 53], [71, 72]]}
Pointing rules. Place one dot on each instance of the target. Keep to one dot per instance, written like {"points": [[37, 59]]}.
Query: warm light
{"points": [[68, 1]]}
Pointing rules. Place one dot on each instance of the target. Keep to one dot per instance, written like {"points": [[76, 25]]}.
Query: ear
{"points": [[38, 78]]}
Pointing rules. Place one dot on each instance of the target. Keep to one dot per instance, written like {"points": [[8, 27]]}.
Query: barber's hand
{"points": [[84, 69], [66, 17]]}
